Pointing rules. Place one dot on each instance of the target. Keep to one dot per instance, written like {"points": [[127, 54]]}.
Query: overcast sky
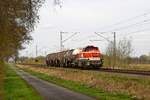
{"points": [[128, 18]]}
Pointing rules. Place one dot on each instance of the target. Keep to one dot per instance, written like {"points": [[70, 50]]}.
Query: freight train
{"points": [[88, 57]]}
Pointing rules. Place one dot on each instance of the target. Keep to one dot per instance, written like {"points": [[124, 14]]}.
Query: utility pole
{"points": [[114, 51], [45, 53], [61, 42], [27, 53], [36, 51], [113, 43]]}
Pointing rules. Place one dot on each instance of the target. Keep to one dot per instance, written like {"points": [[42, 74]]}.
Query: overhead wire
{"points": [[103, 37], [132, 25], [143, 30], [70, 36], [124, 21]]}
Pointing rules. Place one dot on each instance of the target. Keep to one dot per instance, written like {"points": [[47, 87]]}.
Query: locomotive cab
{"points": [[90, 56]]}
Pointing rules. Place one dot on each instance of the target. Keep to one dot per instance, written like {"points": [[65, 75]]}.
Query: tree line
{"points": [[123, 57], [17, 20]]}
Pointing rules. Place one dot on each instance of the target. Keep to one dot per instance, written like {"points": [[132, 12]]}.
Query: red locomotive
{"points": [[89, 56]]}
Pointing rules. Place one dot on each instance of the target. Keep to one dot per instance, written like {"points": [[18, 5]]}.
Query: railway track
{"points": [[124, 71], [135, 72]]}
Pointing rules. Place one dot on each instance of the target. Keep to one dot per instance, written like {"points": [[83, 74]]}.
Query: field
{"points": [[16, 88], [145, 67], [116, 85]]}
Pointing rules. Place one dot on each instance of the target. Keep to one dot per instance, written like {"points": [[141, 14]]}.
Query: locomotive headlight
{"points": [[81, 55]]}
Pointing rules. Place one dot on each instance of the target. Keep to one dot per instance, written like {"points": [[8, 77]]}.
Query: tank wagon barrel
{"points": [[89, 56]]}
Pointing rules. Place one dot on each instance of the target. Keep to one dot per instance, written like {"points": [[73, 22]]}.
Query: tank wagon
{"points": [[88, 57]]}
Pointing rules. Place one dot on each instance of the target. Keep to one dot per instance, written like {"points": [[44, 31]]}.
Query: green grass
{"points": [[121, 78], [16, 88], [82, 88]]}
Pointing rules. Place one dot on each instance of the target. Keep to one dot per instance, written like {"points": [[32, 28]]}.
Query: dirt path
{"points": [[51, 91]]}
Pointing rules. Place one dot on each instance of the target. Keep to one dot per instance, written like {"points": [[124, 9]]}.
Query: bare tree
{"points": [[123, 52]]}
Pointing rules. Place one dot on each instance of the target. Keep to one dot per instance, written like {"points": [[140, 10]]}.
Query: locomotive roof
{"points": [[87, 47]]}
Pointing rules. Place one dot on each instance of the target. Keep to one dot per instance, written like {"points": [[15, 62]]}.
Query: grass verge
{"points": [[82, 88], [15, 88], [1, 80]]}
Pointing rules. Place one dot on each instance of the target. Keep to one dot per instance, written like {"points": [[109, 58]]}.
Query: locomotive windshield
{"points": [[90, 48]]}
